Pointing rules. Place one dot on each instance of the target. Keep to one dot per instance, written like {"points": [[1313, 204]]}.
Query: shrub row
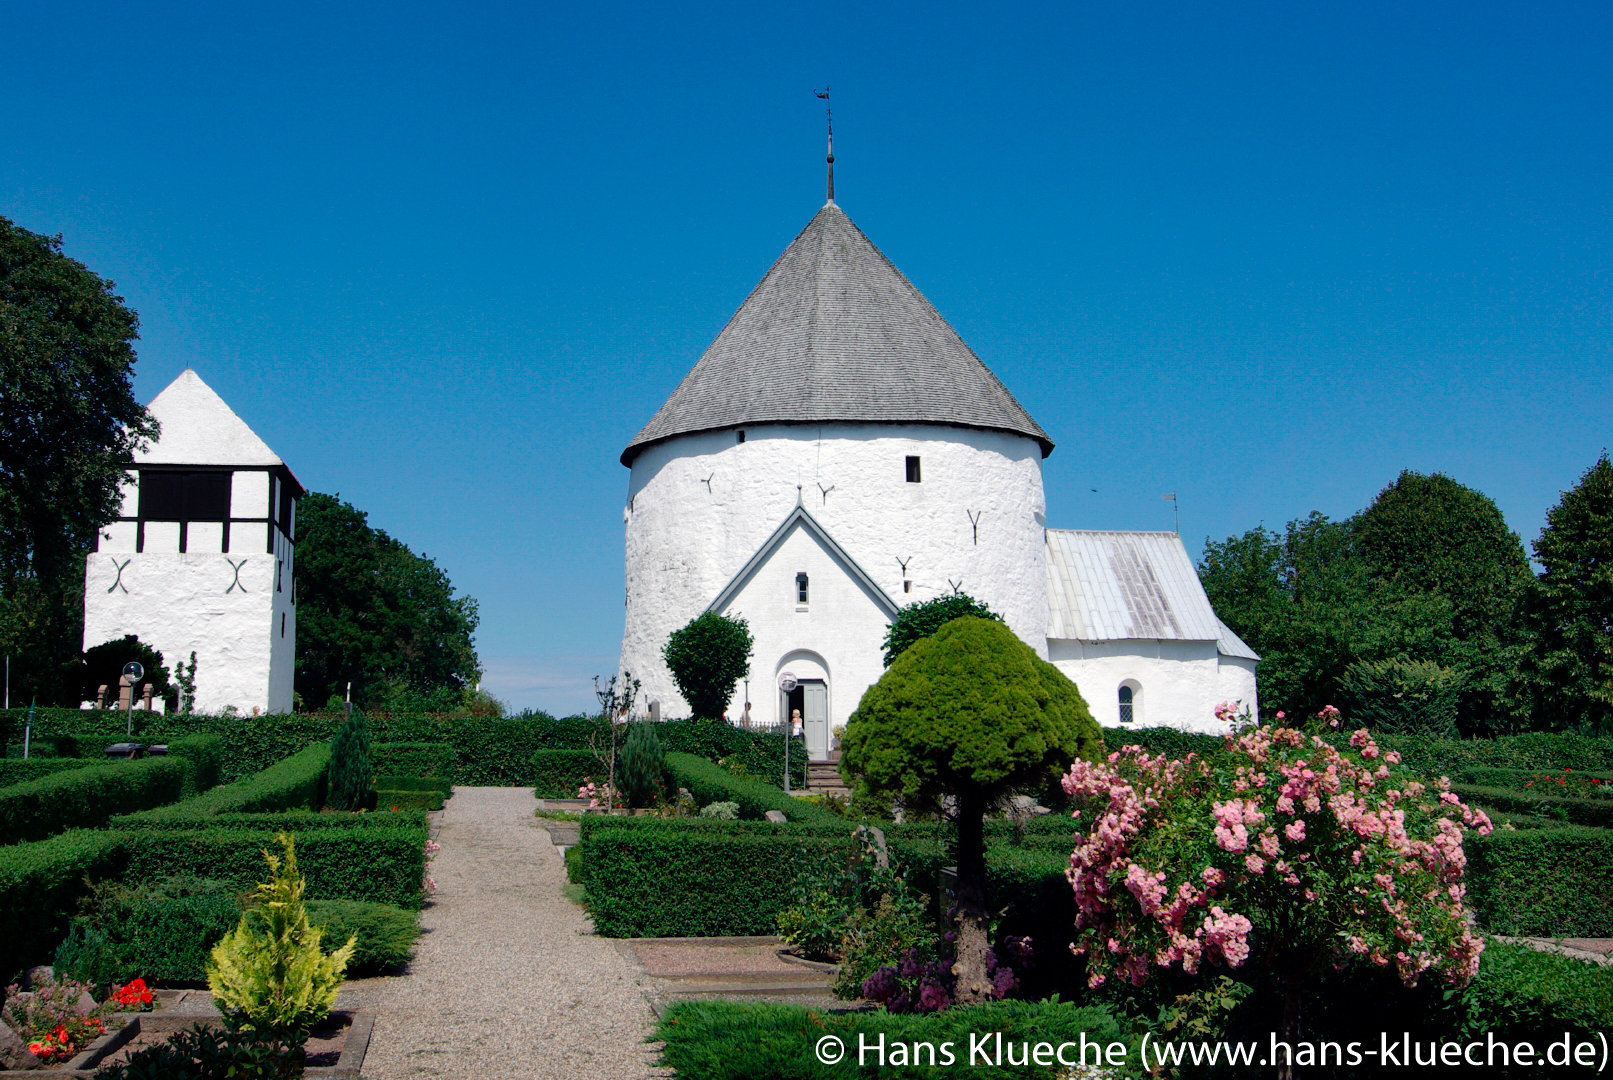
{"points": [[484, 752], [296, 782], [1595, 812], [20, 770], [87, 798], [292, 821], [1163, 740], [710, 783], [1538, 778], [40, 883], [694, 878], [167, 933], [413, 759], [557, 774], [1545, 882], [205, 753], [401, 799]]}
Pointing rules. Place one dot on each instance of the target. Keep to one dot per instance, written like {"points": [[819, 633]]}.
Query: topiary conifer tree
{"points": [[352, 770], [969, 712], [707, 657]]}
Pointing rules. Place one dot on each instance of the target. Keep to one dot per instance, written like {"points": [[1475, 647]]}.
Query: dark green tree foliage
{"points": [[1427, 574], [103, 666], [372, 612], [69, 425], [1568, 673], [973, 713], [924, 618], [352, 769], [642, 770], [1401, 697], [707, 657]]}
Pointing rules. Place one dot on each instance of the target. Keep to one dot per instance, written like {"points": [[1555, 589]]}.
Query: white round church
{"points": [[839, 452]]}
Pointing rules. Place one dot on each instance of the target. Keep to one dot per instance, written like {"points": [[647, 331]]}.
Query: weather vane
{"points": [[829, 109]]}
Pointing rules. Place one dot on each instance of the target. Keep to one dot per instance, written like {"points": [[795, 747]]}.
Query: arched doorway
{"points": [[809, 696]]}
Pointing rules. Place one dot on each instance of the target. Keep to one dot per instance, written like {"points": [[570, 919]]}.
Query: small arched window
{"points": [[801, 588], [1126, 714]]}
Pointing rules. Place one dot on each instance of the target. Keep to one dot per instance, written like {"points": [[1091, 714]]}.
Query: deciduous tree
{"points": [[372, 612], [707, 657], [69, 425]]}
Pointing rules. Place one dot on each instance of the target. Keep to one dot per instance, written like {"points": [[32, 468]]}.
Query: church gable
{"points": [[801, 537]]}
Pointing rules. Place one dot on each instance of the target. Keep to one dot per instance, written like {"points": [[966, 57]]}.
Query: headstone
{"points": [[655, 711], [100, 697], [14, 1052], [776, 816]]}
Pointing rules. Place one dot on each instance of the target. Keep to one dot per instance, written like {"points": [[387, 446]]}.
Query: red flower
{"points": [[135, 993]]}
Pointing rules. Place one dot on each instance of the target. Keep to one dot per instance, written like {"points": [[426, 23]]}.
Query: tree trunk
{"points": [[973, 929], [1286, 1069]]}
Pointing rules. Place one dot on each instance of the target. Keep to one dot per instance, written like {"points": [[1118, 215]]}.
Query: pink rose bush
{"points": [[1285, 848]]}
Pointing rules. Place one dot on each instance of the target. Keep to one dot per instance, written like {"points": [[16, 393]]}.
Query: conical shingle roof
{"points": [[835, 333]]}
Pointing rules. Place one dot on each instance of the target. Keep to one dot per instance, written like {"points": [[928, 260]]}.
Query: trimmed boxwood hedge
{"points": [[1594, 812], [384, 865], [296, 782], [295, 821], [557, 774], [694, 877], [40, 884], [485, 752], [413, 759], [87, 798], [20, 770], [710, 783], [1542, 882], [401, 799]]}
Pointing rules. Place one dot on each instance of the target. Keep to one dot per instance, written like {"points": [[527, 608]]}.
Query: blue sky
{"points": [[448, 259]]}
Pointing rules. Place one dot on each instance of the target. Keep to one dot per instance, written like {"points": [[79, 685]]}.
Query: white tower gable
{"points": [[202, 559], [198, 427]]}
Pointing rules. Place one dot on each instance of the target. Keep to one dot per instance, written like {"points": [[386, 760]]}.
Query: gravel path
{"points": [[508, 981]]}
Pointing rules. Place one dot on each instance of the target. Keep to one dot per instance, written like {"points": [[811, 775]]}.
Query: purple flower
{"points": [[1003, 982], [933, 997], [881, 985], [910, 966], [901, 1003]]}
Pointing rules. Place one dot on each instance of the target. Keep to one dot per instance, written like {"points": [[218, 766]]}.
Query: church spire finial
{"points": [[829, 109]]}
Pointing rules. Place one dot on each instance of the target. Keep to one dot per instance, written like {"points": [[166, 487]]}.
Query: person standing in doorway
{"points": [[795, 722]]}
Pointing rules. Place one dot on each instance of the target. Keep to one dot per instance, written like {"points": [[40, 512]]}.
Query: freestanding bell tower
{"points": [[203, 558]]}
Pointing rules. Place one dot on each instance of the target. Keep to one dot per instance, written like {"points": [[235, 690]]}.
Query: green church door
{"points": [[815, 718]]}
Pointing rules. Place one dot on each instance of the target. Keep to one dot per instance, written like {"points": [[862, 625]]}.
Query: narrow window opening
{"points": [[1125, 705], [740, 438], [800, 588], [279, 576], [282, 624], [907, 586], [913, 474]]}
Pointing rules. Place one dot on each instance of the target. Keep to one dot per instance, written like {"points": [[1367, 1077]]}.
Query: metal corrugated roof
{"points": [[835, 332], [1105, 586], [1230, 644]]}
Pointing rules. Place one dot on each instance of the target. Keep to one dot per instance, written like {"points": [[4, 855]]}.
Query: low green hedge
{"points": [[21, 770], [1594, 812], [40, 884], [694, 877], [484, 751], [385, 933], [205, 753], [710, 783], [1521, 993], [298, 781], [398, 782], [414, 759], [1536, 778], [1164, 740], [293, 821], [384, 865], [401, 799], [557, 774], [89, 797], [729, 1040], [1542, 882]]}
